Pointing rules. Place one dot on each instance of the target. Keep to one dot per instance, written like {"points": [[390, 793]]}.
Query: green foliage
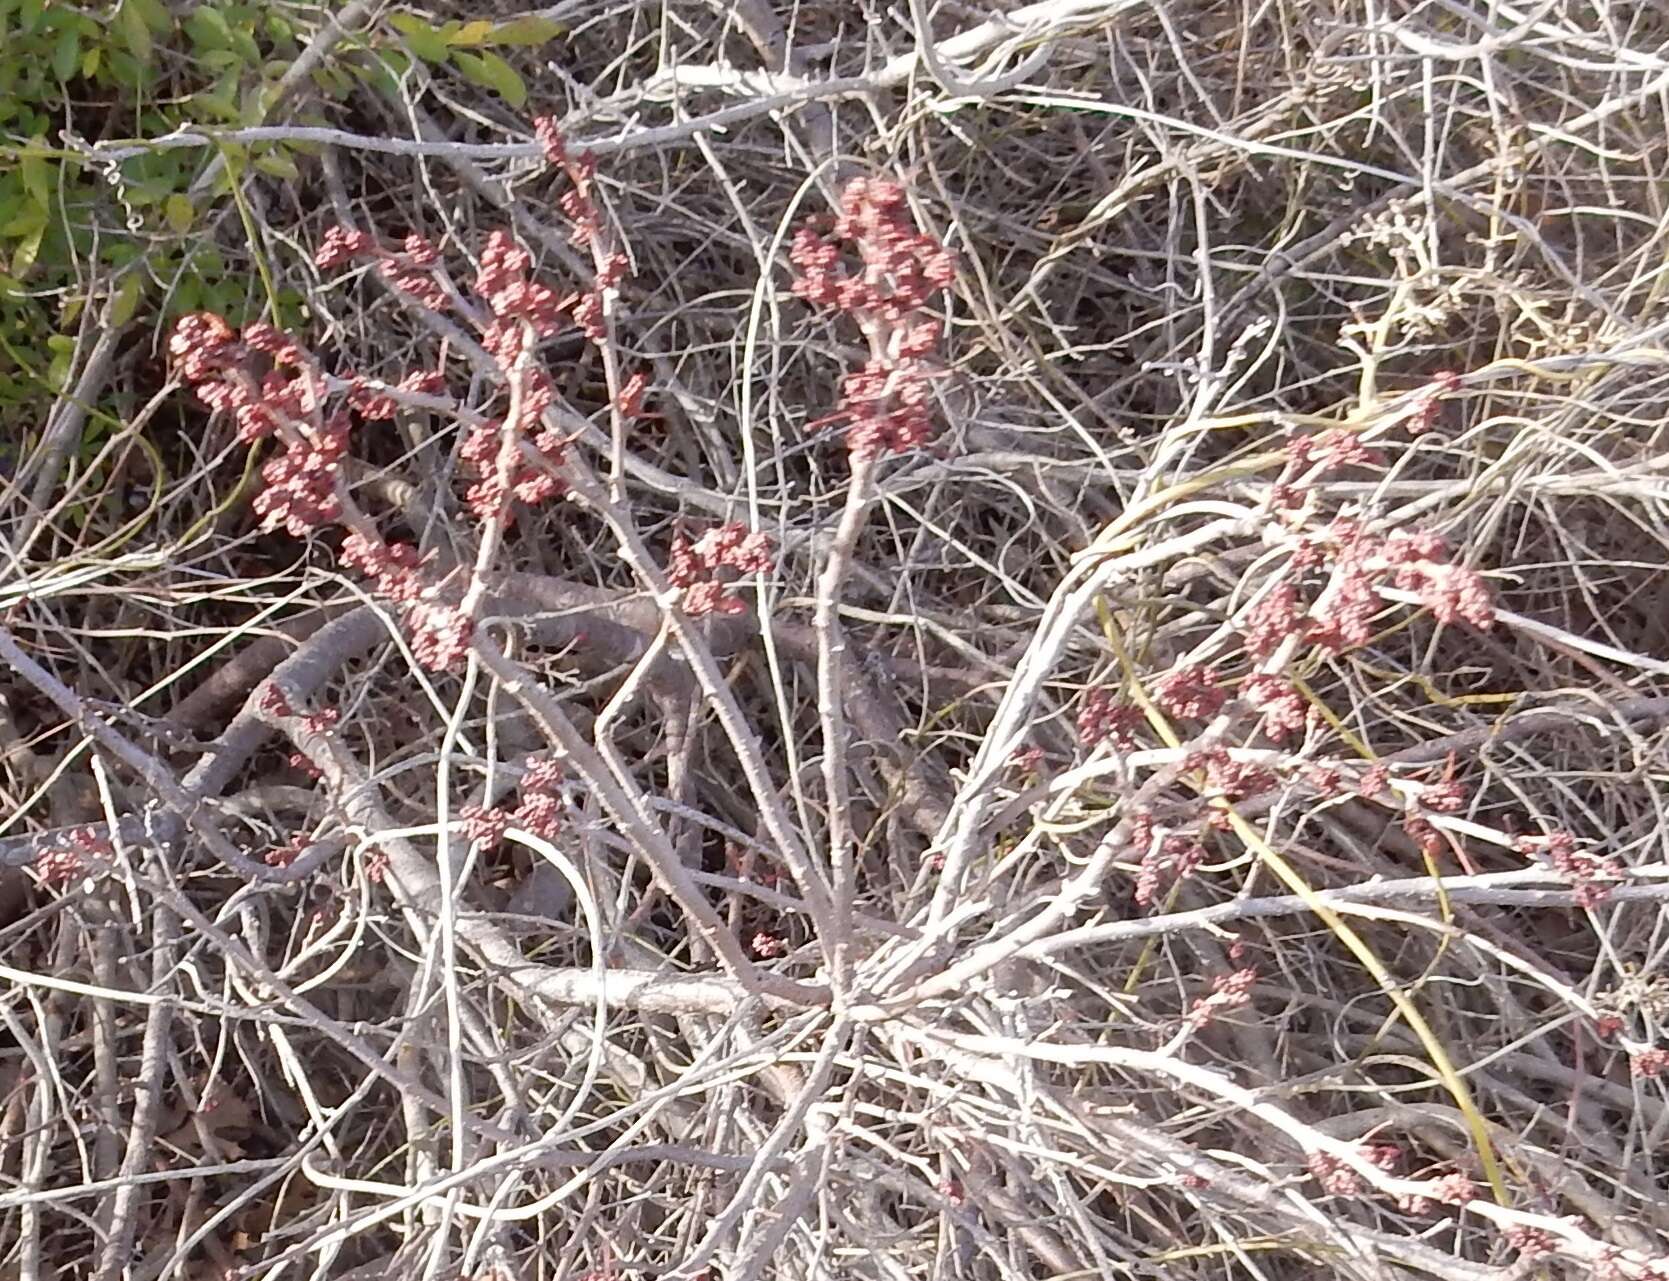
{"points": [[124, 69], [468, 48]]}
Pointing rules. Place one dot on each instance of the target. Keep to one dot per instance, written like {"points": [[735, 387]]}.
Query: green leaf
{"points": [[422, 39], [528, 30], [135, 34], [23, 257], [493, 72], [278, 165], [30, 219], [36, 172], [471, 33], [218, 60], [178, 212], [127, 299], [66, 53], [206, 28], [155, 14], [90, 62]]}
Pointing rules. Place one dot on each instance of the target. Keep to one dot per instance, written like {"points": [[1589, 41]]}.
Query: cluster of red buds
{"points": [[695, 568], [413, 269], [286, 854], [516, 314], [1228, 992], [69, 861], [886, 404], [1284, 710], [1590, 873], [539, 812], [303, 484], [1190, 692], [1234, 779], [1102, 719], [1339, 1179], [1342, 616], [273, 702], [1172, 859], [440, 630], [1649, 1064]]}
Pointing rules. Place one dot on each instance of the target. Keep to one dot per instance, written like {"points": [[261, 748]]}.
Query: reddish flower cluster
{"points": [[375, 404], [586, 232], [538, 813], [549, 134], [286, 854], [1448, 795], [1530, 1242], [1414, 563], [1276, 616], [1101, 718], [1236, 780], [1029, 760], [541, 793], [1330, 451], [523, 309], [485, 825], [202, 345], [302, 488], [1284, 710], [60, 865], [696, 568], [1190, 692], [522, 312], [1171, 860], [1588, 871], [1343, 617], [1228, 991], [766, 946], [441, 632], [302, 484], [887, 402], [1649, 1064], [322, 721], [412, 269], [1336, 1178]]}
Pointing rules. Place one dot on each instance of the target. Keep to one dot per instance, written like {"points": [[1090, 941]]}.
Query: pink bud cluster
{"points": [[1590, 873], [1102, 719], [69, 861], [1284, 710], [1649, 1064], [1413, 562], [1235, 779], [373, 402], [1173, 859], [412, 269], [303, 484], [1191, 692], [440, 630], [696, 567], [1228, 991], [519, 313], [580, 208], [273, 702], [286, 854], [539, 812], [1343, 614], [887, 402]]}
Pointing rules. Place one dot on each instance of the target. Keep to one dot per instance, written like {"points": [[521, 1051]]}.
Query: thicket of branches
{"points": [[871, 642]]}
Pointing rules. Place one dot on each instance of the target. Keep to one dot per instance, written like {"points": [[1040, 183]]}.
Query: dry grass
{"points": [[701, 1032]]}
